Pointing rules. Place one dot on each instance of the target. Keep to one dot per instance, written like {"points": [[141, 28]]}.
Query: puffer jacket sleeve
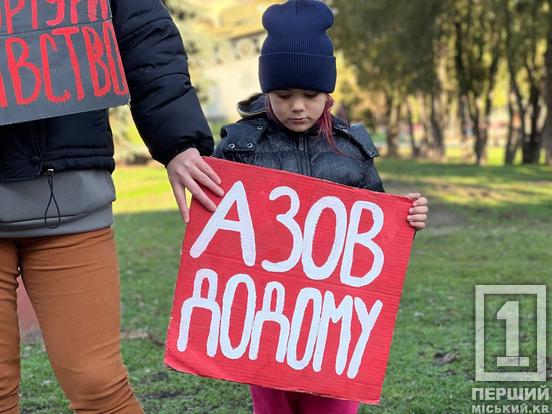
{"points": [[371, 180], [164, 105]]}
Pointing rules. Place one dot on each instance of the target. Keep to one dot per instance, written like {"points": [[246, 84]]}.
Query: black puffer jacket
{"points": [[257, 140], [163, 103]]}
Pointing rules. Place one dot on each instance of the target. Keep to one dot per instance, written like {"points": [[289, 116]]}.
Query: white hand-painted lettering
{"points": [[218, 221], [365, 239], [324, 310], [198, 301], [312, 271]]}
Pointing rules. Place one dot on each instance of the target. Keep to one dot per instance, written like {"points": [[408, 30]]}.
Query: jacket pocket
{"points": [[239, 152]]}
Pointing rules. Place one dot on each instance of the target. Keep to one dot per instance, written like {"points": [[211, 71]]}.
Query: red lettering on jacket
{"points": [[60, 14], [11, 12], [112, 55], [3, 98], [34, 14], [16, 64], [44, 40], [93, 9], [74, 11], [95, 51], [67, 32]]}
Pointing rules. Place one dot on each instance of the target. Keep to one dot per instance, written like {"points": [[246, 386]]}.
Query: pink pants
{"points": [[271, 401]]}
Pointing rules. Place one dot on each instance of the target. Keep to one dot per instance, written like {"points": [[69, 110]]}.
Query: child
{"points": [[290, 128]]}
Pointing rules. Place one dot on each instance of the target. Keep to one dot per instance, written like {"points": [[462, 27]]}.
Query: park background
{"points": [[458, 97]]}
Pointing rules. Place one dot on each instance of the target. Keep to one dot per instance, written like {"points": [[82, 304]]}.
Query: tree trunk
{"points": [[532, 144], [425, 145], [547, 137], [436, 128], [414, 148], [464, 126], [392, 129], [536, 79], [483, 137], [547, 131], [512, 143], [514, 85], [472, 92], [477, 145], [475, 118]]}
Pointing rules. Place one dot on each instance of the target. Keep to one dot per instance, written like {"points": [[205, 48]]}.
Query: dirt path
{"points": [[440, 216]]}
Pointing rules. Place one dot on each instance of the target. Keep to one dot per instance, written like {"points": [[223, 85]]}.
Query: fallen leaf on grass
{"points": [[442, 358], [134, 335], [143, 335]]}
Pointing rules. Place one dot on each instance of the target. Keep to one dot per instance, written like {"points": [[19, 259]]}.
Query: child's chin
{"points": [[298, 128]]}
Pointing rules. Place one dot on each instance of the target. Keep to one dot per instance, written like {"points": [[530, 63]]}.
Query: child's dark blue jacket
{"points": [[257, 140]]}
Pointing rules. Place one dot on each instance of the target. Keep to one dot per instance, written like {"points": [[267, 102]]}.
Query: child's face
{"points": [[297, 109]]}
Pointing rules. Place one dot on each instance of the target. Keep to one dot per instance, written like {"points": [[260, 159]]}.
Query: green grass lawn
{"points": [[489, 225]]}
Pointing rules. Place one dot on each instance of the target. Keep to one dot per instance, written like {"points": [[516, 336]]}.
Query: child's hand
{"points": [[417, 216]]}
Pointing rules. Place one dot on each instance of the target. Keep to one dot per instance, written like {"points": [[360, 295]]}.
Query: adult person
{"points": [[55, 213]]}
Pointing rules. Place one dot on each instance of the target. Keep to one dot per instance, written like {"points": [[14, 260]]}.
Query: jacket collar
{"points": [[253, 106]]}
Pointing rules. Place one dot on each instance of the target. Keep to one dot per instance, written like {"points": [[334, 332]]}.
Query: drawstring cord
{"points": [[50, 174]]}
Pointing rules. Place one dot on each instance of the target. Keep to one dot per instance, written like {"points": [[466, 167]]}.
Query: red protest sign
{"points": [[57, 58], [293, 283]]}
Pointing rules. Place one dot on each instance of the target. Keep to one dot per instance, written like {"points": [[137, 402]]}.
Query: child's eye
{"points": [[283, 95], [311, 95]]}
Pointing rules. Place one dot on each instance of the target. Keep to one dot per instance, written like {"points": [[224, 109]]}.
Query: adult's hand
{"points": [[187, 170]]}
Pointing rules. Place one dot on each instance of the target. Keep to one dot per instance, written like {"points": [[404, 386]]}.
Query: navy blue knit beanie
{"points": [[298, 53]]}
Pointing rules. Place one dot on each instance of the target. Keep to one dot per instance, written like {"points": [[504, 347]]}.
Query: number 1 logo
{"points": [[510, 313]]}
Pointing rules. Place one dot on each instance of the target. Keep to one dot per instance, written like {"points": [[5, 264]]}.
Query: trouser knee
{"points": [[96, 390], [9, 397], [9, 387]]}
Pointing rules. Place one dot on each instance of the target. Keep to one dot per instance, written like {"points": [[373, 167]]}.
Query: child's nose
{"points": [[297, 105]]}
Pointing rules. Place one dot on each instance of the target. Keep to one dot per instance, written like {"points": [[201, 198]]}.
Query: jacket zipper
{"points": [[304, 153]]}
